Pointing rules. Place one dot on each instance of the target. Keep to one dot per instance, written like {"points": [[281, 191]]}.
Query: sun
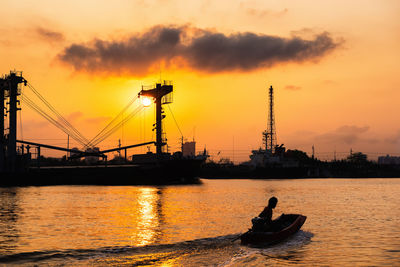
{"points": [[146, 101]]}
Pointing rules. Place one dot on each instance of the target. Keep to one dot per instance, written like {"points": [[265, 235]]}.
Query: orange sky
{"points": [[342, 99]]}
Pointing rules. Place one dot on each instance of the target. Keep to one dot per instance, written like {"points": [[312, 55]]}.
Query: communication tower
{"points": [[269, 136]]}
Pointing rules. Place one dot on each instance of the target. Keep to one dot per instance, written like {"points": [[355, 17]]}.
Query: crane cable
{"points": [[41, 112], [99, 135], [36, 108], [61, 119], [117, 126], [176, 123], [69, 129]]}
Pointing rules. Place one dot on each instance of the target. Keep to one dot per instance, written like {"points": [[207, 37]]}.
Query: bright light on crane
{"points": [[146, 101]]}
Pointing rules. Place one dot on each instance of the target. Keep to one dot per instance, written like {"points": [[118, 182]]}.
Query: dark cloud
{"points": [[49, 35], [202, 50], [292, 87]]}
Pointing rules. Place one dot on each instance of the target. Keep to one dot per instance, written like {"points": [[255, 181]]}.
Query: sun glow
{"points": [[146, 101]]}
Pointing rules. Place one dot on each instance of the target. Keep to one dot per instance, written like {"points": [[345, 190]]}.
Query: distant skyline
{"points": [[334, 66]]}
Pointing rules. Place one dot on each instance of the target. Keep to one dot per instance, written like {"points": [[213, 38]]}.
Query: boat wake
{"points": [[149, 254], [282, 253], [220, 250]]}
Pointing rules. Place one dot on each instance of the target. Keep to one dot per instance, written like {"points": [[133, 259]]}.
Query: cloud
{"points": [[352, 129], [199, 49], [330, 82], [74, 116], [49, 35], [79, 116], [292, 87], [262, 13], [29, 125], [394, 139], [96, 120], [303, 32], [347, 134], [29, 36]]}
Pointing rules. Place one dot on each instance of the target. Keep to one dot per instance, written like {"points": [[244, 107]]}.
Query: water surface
{"points": [[349, 222]]}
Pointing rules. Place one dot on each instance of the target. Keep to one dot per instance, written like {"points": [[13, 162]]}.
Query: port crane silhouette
{"points": [[11, 97]]}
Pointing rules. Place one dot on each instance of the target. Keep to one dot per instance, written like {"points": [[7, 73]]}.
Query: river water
{"points": [[349, 222]]}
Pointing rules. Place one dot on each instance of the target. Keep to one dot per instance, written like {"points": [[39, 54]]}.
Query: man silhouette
{"points": [[264, 221], [266, 214]]}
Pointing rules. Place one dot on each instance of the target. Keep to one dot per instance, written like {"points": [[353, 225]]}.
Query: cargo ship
{"points": [[17, 168]]}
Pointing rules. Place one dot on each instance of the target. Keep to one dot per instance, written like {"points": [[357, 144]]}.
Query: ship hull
{"points": [[183, 171]]}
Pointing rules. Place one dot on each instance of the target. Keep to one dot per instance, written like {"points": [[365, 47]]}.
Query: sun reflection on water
{"points": [[148, 221]]}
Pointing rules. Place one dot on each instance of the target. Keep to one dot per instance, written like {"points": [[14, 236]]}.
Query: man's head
{"points": [[272, 202]]}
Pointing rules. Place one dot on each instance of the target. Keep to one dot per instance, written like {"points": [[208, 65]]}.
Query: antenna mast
{"points": [[270, 134]]}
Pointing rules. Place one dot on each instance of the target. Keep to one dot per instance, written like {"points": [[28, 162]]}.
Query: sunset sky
{"points": [[334, 65]]}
